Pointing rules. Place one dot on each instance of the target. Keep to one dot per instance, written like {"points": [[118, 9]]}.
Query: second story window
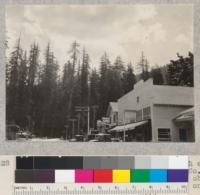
{"points": [[139, 115], [138, 99], [146, 113]]}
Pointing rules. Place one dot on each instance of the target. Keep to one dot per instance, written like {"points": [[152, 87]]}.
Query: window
{"points": [[139, 115], [164, 135], [146, 113], [138, 99], [115, 118]]}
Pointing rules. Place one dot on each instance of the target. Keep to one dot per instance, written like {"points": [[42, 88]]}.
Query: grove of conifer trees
{"points": [[42, 99]]}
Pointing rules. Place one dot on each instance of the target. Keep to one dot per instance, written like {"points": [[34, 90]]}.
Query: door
{"points": [[183, 135]]}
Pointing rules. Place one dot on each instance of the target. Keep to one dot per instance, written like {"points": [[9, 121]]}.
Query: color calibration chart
{"points": [[146, 175]]}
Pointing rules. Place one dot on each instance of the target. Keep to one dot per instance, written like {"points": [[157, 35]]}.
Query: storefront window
{"points": [[164, 135]]}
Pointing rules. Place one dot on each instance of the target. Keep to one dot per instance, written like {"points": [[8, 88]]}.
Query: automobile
{"points": [[94, 132], [103, 137], [11, 131], [45, 139], [21, 136], [24, 135], [114, 139], [90, 137], [79, 138], [94, 140], [72, 140]]}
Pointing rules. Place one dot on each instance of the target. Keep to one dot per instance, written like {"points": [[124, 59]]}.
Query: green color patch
{"points": [[140, 175]]}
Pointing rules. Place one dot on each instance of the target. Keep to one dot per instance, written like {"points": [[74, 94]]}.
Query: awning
{"points": [[189, 111], [184, 118], [127, 127], [186, 115], [117, 129]]}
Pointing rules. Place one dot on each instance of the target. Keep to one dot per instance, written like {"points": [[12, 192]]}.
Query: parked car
{"points": [[11, 131], [78, 138], [24, 135], [72, 140], [115, 139], [103, 137], [90, 137], [94, 140]]}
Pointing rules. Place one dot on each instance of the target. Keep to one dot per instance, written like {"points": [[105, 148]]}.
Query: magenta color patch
{"points": [[83, 176]]}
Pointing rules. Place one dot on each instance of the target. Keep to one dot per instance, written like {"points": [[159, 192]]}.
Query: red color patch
{"points": [[103, 176]]}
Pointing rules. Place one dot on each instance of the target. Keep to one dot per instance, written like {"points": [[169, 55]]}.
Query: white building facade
{"points": [[112, 113], [160, 105]]}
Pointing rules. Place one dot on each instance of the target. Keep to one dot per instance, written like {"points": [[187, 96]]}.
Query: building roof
{"points": [[148, 93], [114, 106]]}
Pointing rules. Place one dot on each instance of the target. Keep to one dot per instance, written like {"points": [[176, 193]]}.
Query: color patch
{"points": [[121, 176], [54, 162], [35, 176], [140, 175], [142, 162], [24, 163], [24, 176], [158, 175], [44, 176], [177, 175], [126, 162], [108, 162], [103, 176], [159, 162], [92, 162], [178, 162], [84, 176], [64, 176]]}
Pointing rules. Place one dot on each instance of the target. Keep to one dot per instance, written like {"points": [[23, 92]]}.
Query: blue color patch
{"points": [[158, 175]]}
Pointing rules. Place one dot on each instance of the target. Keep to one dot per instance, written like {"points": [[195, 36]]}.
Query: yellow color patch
{"points": [[121, 176]]}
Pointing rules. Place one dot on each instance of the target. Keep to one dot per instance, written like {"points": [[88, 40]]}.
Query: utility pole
{"points": [[86, 109], [94, 108], [141, 66], [66, 127], [124, 136], [88, 106], [88, 129], [79, 117], [73, 121]]}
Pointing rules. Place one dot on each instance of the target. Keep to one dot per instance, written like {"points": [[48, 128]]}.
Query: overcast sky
{"points": [[159, 30]]}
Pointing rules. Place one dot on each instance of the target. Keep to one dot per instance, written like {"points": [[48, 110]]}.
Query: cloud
{"points": [[145, 12], [182, 38], [123, 30], [158, 32]]}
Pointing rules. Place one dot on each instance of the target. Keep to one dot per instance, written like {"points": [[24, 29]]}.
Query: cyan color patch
{"points": [[158, 175]]}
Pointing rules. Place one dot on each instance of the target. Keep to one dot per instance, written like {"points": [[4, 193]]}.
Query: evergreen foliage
{"points": [[42, 99]]}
